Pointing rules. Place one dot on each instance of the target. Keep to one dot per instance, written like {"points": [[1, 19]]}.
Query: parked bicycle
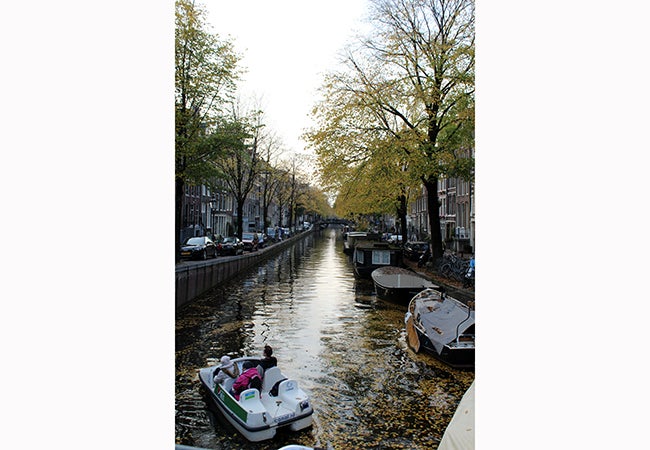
{"points": [[453, 267]]}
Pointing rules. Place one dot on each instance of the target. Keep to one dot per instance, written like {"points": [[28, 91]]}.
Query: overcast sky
{"points": [[286, 47]]}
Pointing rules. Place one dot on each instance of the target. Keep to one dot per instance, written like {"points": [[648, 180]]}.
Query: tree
{"points": [[283, 192], [269, 176], [206, 71], [239, 165], [380, 185], [292, 188], [314, 202], [410, 84]]}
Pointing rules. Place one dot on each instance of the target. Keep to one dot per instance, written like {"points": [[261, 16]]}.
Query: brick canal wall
{"points": [[195, 279]]}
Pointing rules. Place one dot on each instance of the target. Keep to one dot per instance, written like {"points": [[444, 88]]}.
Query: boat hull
{"points": [[458, 358], [398, 284], [364, 271], [253, 434], [397, 295]]}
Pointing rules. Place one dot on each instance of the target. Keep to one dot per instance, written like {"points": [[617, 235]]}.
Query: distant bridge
{"points": [[336, 221]]}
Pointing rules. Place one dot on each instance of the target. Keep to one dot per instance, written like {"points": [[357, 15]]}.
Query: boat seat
{"points": [[286, 387], [271, 376], [250, 400], [227, 384]]}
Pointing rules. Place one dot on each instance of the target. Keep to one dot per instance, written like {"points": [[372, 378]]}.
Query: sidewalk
{"points": [[452, 287]]}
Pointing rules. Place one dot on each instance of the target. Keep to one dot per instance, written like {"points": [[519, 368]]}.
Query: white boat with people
{"points": [[260, 409], [443, 326]]}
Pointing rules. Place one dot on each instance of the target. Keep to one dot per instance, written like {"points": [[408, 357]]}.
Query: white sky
{"points": [[286, 46]]}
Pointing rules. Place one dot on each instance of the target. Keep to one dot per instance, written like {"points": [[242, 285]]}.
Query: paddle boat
{"points": [[258, 414]]}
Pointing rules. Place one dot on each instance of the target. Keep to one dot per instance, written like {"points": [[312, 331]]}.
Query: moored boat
{"points": [[259, 413], [443, 326], [459, 434], [398, 284], [371, 255], [351, 238]]}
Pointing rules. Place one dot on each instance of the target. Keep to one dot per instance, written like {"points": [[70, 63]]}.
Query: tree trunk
{"points": [[292, 212], [401, 214], [240, 218], [180, 188], [265, 221], [431, 185]]}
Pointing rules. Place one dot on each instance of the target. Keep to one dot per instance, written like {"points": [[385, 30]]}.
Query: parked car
{"points": [[413, 250], [250, 241], [198, 247], [395, 239], [230, 246]]}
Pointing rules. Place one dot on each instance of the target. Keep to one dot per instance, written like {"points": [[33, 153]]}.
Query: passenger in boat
{"points": [[268, 360], [226, 370], [250, 378]]}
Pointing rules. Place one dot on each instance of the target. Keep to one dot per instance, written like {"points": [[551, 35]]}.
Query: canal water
{"points": [[346, 348]]}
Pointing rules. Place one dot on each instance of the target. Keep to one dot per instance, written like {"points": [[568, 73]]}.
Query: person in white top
{"points": [[226, 370]]}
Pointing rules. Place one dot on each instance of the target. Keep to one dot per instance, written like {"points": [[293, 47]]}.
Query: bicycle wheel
{"points": [[445, 270]]}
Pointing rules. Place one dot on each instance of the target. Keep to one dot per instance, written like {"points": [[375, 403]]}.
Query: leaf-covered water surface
{"points": [[346, 348]]}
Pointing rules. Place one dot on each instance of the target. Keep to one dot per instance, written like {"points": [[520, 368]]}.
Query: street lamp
{"points": [[213, 206]]}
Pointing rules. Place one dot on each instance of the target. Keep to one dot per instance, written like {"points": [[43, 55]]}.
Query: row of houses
{"points": [[456, 212], [207, 211], [214, 211]]}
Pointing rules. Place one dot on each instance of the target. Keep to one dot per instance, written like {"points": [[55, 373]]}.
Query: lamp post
{"points": [[213, 205]]}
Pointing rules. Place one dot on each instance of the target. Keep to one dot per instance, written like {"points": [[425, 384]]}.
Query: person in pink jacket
{"points": [[250, 378]]}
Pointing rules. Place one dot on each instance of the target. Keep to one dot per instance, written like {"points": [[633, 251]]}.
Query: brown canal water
{"points": [[346, 348]]}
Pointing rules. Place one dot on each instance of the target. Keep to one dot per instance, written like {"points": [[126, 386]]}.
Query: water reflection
{"points": [[346, 348]]}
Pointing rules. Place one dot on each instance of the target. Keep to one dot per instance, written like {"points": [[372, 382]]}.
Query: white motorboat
{"points": [[443, 326]]}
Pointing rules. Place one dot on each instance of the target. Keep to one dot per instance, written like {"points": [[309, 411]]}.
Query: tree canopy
{"points": [[405, 95], [206, 72]]}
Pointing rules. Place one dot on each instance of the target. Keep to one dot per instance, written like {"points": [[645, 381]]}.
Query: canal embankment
{"points": [[452, 287], [196, 278]]}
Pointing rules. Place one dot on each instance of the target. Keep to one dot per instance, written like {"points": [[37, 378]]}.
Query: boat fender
{"points": [[274, 390]]}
